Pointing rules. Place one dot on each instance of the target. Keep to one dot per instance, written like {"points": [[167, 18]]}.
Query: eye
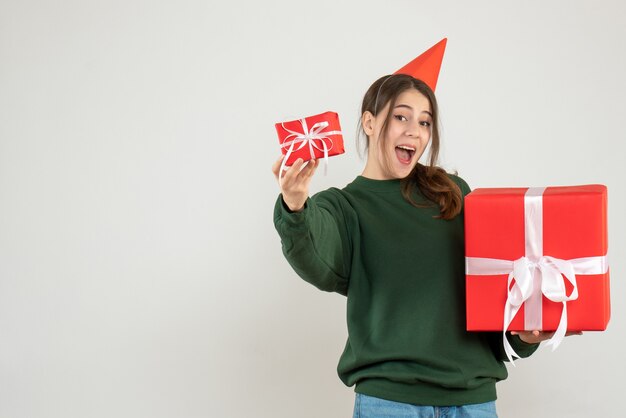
{"points": [[425, 123], [400, 118]]}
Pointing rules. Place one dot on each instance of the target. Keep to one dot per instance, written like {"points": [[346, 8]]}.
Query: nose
{"points": [[413, 129]]}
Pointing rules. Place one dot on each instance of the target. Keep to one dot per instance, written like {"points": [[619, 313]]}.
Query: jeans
{"points": [[370, 407]]}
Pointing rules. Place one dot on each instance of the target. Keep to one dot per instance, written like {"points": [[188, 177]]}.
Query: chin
{"points": [[403, 172]]}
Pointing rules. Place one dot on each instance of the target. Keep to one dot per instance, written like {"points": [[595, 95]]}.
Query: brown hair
{"points": [[432, 181]]}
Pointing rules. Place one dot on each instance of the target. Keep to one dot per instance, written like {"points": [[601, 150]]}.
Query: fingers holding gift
{"points": [[295, 184], [533, 337], [300, 173], [307, 172], [276, 166]]}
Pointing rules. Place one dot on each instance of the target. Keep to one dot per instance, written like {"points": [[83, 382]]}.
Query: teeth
{"points": [[406, 148]]}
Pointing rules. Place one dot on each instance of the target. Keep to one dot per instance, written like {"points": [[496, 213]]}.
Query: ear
{"points": [[367, 121]]}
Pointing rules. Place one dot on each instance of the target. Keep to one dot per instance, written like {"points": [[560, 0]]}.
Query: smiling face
{"points": [[394, 150]]}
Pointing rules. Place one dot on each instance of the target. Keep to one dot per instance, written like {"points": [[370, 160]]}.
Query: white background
{"points": [[140, 273]]}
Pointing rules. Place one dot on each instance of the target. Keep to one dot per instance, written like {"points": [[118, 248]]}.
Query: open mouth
{"points": [[405, 153]]}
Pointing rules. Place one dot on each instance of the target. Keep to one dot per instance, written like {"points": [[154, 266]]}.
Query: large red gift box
{"points": [[541, 243], [317, 136]]}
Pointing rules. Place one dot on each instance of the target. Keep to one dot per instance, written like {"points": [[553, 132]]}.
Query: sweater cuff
{"points": [[286, 215], [522, 348]]}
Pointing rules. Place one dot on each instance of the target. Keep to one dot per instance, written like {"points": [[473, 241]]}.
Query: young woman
{"points": [[392, 242]]}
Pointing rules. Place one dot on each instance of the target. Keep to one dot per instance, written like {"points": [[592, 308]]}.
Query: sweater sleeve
{"points": [[315, 241], [523, 349], [465, 189]]}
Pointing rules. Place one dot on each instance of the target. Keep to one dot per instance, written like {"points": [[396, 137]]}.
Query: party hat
{"points": [[426, 66]]}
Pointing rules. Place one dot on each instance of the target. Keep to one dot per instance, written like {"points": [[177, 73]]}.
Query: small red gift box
{"points": [[536, 259], [317, 136]]}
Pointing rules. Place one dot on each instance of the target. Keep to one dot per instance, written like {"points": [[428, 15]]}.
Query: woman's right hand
{"points": [[295, 182]]}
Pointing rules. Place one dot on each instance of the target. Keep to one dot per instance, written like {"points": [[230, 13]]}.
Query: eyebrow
{"points": [[409, 107]]}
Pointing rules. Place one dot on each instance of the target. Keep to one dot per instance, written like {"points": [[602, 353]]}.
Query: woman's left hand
{"points": [[534, 337]]}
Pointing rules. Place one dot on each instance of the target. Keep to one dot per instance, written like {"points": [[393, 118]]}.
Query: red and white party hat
{"points": [[426, 66]]}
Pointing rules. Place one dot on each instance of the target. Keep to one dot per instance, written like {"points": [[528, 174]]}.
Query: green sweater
{"points": [[403, 273]]}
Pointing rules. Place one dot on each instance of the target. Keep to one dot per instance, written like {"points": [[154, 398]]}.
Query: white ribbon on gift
{"points": [[307, 137], [536, 274]]}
